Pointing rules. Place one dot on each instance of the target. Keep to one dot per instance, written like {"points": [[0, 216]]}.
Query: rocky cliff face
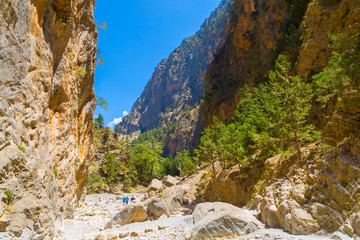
{"points": [[177, 84], [320, 192], [258, 32], [47, 60], [245, 57], [321, 19]]}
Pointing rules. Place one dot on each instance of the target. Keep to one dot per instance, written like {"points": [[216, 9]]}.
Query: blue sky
{"points": [[139, 34]]}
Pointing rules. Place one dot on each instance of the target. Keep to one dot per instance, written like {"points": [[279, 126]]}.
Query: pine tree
{"points": [[99, 121], [294, 102], [343, 71], [206, 152], [187, 165]]}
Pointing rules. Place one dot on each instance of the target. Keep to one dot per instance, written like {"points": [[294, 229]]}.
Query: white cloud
{"points": [[115, 121]]}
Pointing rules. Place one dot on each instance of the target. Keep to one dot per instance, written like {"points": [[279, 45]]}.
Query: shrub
{"points": [[9, 195], [126, 186], [95, 183], [21, 148]]}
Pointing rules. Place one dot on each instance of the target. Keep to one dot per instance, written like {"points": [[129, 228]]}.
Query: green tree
{"points": [[99, 121], [111, 170], [207, 150], [293, 97], [101, 102], [95, 183], [187, 165], [169, 166], [126, 186], [268, 119], [145, 159], [343, 71]]}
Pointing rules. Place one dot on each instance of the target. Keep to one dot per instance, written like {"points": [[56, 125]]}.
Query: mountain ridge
{"points": [[177, 84]]}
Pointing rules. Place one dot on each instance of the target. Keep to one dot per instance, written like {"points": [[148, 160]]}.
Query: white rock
{"points": [[212, 220]]}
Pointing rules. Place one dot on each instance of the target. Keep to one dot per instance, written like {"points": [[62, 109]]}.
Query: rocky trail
{"points": [[93, 215]]}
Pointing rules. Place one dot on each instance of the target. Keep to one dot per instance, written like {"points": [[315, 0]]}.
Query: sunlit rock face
{"points": [[254, 40], [47, 60], [320, 192], [177, 86], [245, 57]]}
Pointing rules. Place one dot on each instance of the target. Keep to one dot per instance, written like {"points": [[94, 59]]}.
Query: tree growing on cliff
{"points": [[99, 121], [269, 118], [293, 98], [343, 71], [101, 102], [209, 150]]}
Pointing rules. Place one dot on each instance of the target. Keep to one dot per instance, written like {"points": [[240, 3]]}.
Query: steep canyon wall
{"points": [[47, 59], [172, 96]]}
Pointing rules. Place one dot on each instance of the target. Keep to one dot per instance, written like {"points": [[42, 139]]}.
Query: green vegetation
{"points": [[99, 121], [102, 25], [95, 183], [111, 170], [9, 196], [291, 37], [99, 60], [21, 148], [63, 19], [80, 73], [138, 162], [126, 186], [342, 75], [270, 119], [71, 54], [101, 102]]}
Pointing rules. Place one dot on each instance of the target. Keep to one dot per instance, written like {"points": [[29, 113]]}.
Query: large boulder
{"points": [[155, 185], [173, 197], [130, 214], [271, 216], [303, 223], [156, 208], [213, 220], [169, 181]]}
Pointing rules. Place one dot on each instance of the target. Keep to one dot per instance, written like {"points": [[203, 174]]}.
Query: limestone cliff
{"points": [[258, 32], [47, 60], [177, 85], [320, 192], [245, 57]]}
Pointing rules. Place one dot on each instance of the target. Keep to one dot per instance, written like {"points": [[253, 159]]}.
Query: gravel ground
{"points": [[92, 215]]}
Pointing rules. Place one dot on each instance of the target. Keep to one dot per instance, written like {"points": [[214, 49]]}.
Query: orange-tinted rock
{"points": [[47, 61]]}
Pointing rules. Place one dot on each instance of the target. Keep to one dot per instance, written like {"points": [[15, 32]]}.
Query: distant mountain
{"points": [[172, 96]]}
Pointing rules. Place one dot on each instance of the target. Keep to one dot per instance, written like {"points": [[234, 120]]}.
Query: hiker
{"points": [[132, 199], [127, 200], [124, 201]]}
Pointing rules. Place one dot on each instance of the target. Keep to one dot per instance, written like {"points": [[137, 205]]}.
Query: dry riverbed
{"points": [[92, 215]]}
